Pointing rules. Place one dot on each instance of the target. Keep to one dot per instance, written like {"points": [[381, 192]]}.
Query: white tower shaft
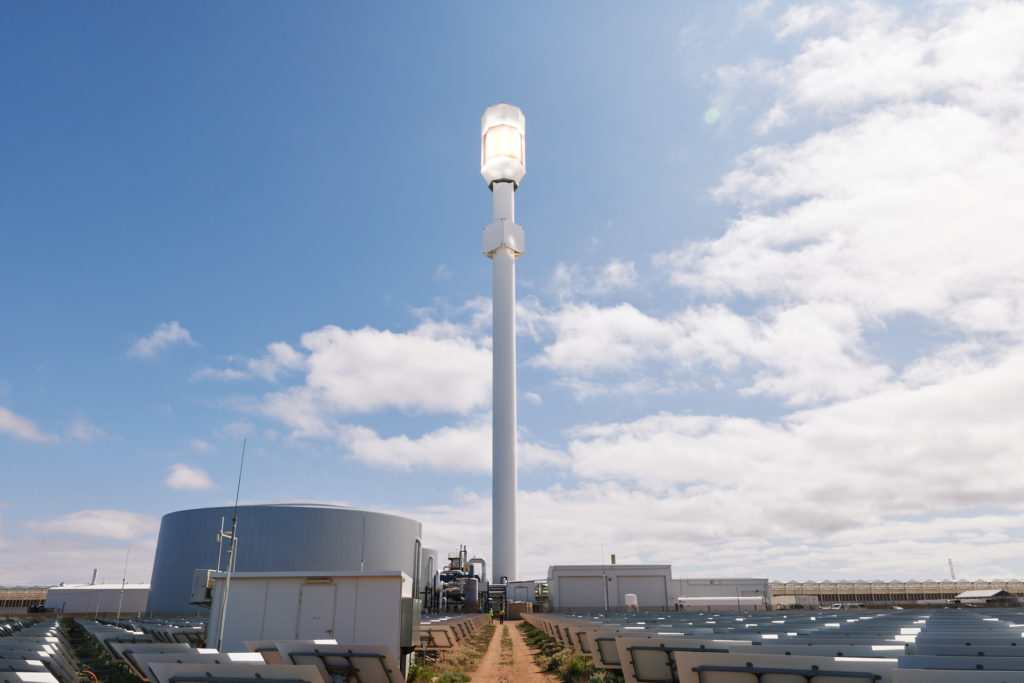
{"points": [[503, 244], [502, 164]]}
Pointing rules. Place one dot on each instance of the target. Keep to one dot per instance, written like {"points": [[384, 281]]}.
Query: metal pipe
{"points": [[418, 550], [483, 567]]}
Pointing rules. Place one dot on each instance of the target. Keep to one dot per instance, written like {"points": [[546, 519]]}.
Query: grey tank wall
{"points": [[277, 538], [428, 567]]}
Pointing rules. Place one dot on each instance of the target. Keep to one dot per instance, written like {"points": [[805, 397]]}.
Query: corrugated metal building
{"points": [[281, 538]]}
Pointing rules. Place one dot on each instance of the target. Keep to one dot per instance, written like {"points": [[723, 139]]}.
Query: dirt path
{"points": [[502, 664]]}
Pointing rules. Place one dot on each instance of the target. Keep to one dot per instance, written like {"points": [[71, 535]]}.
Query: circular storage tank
{"points": [[280, 538]]}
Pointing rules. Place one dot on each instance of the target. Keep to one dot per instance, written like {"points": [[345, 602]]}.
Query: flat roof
{"points": [[309, 575], [99, 586]]}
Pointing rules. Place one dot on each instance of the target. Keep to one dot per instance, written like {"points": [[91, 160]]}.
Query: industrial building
{"points": [[605, 588], [282, 538], [98, 598]]}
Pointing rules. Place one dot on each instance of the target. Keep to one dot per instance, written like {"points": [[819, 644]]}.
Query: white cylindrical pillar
{"points": [[504, 484]]}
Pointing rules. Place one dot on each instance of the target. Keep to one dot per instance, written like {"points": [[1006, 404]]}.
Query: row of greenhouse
{"points": [[890, 591]]}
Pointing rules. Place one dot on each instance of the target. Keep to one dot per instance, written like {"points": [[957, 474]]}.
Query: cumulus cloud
{"points": [[901, 451], [803, 354], [114, 524], [463, 447], [616, 275], [22, 428], [164, 336], [862, 54], [183, 476], [279, 358], [909, 203], [435, 368], [459, 448]]}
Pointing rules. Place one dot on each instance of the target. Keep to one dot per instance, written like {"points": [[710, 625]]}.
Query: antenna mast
{"points": [[124, 577], [232, 548], [952, 573]]}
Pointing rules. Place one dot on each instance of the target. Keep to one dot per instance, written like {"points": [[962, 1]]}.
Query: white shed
{"points": [[599, 588]]}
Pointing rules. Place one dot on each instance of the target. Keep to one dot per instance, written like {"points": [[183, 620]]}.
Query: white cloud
{"points": [[224, 374], [460, 448], [587, 338], [803, 354], [238, 429], [894, 224], [34, 560], [183, 476], [201, 446], [435, 368], [615, 276], [279, 358], [165, 335], [755, 10], [573, 281], [83, 430], [586, 389], [115, 524], [22, 428], [896, 451], [442, 273], [710, 533], [866, 53]]}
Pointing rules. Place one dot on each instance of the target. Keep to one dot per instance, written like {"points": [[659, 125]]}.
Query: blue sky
{"points": [[770, 316]]}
